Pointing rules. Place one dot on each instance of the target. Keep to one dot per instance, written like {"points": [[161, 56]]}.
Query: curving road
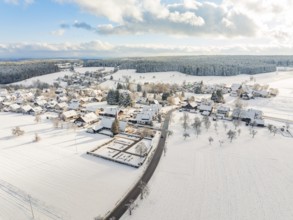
{"points": [[121, 208]]}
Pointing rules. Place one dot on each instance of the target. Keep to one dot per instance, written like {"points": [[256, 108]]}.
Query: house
{"points": [[60, 91], [15, 108], [246, 96], [51, 104], [61, 106], [3, 92], [40, 102], [247, 115], [111, 112], [144, 118], [87, 119], [74, 104], [190, 106], [261, 93], [235, 89], [223, 111], [106, 124], [26, 109], [69, 115], [36, 110], [205, 108], [258, 122]]}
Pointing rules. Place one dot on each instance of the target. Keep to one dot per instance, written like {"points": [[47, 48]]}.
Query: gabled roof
{"points": [[14, 106], [26, 108], [90, 117], [204, 107], [69, 114]]}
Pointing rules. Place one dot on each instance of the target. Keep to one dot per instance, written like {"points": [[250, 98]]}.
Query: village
{"points": [[132, 112]]}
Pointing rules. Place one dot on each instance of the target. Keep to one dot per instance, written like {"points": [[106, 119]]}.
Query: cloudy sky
{"points": [[119, 28]]}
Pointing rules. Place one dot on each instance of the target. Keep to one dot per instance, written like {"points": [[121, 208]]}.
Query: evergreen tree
{"points": [[115, 126], [165, 95], [144, 94], [112, 97], [119, 86], [139, 88]]}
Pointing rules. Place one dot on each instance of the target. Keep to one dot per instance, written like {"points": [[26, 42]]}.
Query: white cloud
{"points": [[103, 49], [114, 10], [59, 32]]}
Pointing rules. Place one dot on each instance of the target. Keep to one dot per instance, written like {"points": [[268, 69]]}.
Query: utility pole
{"points": [[30, 201]]}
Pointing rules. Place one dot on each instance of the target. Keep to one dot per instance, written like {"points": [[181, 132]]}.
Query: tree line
{"points": [[11, 72], [198, 65]]}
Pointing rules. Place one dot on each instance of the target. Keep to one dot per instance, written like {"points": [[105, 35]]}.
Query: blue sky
{"points": [[115, 28]]}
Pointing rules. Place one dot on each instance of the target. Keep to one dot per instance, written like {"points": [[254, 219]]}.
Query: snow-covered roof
{"points": [[223, 108], [235, 86], [74, 104], [143, 117], [37, 109], [204, 107], [107, 122], [90, 117], [62, 105], [14, 106], [41, 102], [111, 111], [70, 114], [26, 108]]}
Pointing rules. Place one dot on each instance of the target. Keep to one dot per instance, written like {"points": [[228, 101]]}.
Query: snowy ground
{"points": [[250, 178], [63, 181], [50, 78]]}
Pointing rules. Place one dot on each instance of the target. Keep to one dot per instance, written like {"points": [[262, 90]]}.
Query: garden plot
{"points": [[125, 149]]}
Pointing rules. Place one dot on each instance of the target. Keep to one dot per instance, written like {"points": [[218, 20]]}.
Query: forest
{"points": [[11, 72], [198, 65]]}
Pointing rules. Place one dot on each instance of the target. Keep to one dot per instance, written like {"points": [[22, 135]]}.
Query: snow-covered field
{"points": [[250, 178], [62, 180], [50, 78]]}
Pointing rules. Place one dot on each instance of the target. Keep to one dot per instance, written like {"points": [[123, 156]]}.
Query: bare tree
{"points": [[271, 128], [207, 122], [221, 142], [231, 135], [211, 140], [56, 122], [17, 131], [216, 126], [144, 189], [236, 123], [185, 121], [37, 138], [37, 118], [253, 133], [141, 149], [275, 130], [185, 135], [225, 125], [239, 131], [131, 206], [197, 125]]}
